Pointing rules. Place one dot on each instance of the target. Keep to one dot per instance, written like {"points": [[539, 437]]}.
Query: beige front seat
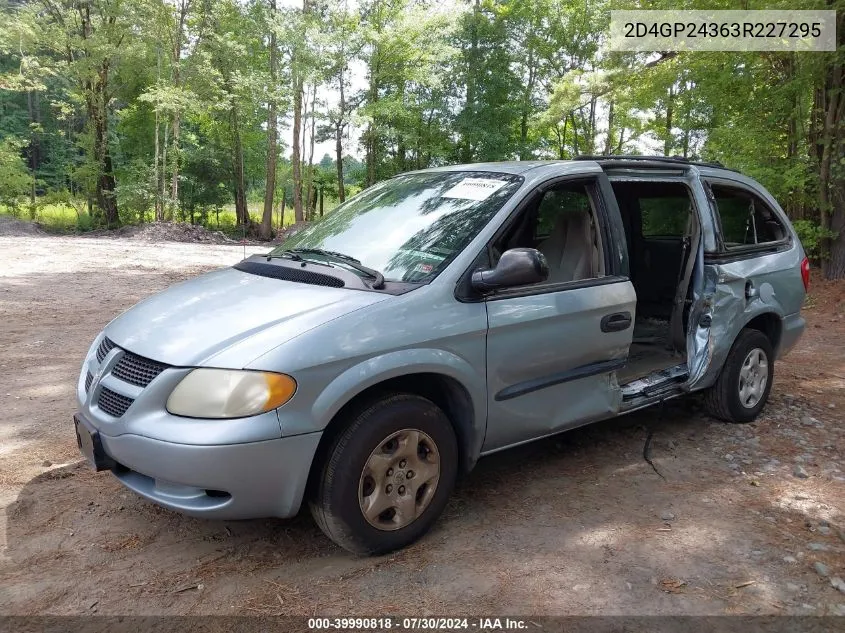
{"points": [[570, 249]]}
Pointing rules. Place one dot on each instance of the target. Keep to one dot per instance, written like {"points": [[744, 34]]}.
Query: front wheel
{"points": [[387, 476], [743, 386]]}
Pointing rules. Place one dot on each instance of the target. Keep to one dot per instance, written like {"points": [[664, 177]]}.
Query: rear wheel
{"points": [[743, 386], [387, 476]]}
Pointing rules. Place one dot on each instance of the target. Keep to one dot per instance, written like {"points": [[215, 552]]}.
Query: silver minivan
{"points": [[435, 318]]}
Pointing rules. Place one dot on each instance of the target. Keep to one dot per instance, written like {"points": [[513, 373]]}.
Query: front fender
{"points": [[369, 373]]}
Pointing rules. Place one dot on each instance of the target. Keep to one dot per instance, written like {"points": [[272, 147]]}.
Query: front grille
{"points": [[105, 347], [137, 370], [113, 403], [88, 380]]}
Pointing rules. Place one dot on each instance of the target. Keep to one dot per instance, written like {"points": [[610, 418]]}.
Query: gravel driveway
{"points": [[740, 519]]}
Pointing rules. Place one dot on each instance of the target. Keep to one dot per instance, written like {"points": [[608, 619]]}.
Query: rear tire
{"points": [[387, 476], [743, 386]]}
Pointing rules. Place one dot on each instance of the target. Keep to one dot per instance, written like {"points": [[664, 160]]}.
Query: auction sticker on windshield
{"points": [[475, 188]]}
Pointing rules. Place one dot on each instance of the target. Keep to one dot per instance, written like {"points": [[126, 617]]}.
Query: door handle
{"points": [[616, 322]]}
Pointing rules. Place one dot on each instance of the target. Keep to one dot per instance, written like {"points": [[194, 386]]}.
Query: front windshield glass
{"points": [[411, 226]]}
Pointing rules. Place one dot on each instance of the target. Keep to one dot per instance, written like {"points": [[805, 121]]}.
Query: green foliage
{"points": [[811, 235], [171, 97], [15, 180]]}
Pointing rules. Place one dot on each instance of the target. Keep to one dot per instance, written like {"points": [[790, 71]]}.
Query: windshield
{"points": [[409, 227]]}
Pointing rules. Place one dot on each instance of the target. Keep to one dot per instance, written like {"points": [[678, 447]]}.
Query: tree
{"points": [[83, 40], [828, 132], [299, 32], [15, 181], [344, 45], [272, 130]]}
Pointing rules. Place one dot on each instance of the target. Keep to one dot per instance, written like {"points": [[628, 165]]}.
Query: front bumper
{"points": [[233, 481], [228, 469]]}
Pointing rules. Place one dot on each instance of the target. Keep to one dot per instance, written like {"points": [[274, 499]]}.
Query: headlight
{"points": [[228, 393]]}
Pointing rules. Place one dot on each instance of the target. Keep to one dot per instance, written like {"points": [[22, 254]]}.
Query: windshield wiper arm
{"points": [[348, 260], [284, 255], [320, 251]]}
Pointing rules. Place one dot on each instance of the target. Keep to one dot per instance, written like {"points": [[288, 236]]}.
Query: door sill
{"points": [[656, 386]]}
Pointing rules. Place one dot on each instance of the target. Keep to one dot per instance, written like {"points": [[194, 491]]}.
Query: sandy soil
{"points": [[575, 525]]}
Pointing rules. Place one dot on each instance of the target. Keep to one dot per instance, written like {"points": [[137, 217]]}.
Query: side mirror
{"points": [[516, 267]]}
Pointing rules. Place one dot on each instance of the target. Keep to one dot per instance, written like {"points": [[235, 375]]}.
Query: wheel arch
{"points": [[439, 376], [444, 391], [768, 320], [769, 323]]}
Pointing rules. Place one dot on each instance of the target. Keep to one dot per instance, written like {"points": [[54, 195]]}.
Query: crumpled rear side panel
{"points": [[776, 288]]}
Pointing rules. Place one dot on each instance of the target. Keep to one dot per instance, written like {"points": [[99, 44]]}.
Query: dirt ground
{"points": [[748, 520]]}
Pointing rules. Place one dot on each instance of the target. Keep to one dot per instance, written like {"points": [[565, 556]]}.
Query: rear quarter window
{"points": [[745, 218]]}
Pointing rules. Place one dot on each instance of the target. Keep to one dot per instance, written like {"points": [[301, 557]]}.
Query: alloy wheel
{"points": [[753, 378]]}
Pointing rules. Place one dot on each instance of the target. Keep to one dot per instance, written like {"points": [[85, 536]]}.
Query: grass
{"points": [[65, 218]]}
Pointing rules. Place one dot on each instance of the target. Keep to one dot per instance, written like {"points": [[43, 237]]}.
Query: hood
{"points": [[210, 320]]}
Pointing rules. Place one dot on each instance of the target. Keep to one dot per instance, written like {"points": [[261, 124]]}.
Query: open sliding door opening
{"points": [[662, 234]]}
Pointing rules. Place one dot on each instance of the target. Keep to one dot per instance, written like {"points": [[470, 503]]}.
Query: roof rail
{"points": [[678, 160]]}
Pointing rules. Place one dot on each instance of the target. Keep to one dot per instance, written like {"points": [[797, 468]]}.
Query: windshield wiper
{"points": [[348, 260], [284, 255]]}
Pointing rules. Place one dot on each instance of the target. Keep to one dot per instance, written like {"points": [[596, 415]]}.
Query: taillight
{"points": [[805, 273]]}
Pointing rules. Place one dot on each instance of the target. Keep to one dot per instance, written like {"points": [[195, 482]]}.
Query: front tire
{"points": [[387, 476], [743, 386]]}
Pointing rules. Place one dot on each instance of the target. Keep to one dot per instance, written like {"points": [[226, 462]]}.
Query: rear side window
{"points": [[745, 218]]}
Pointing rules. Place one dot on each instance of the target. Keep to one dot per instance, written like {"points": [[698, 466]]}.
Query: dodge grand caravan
{"points": [[437, 317]]}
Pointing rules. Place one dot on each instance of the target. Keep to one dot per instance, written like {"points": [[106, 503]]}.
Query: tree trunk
{"points": [[371, 154], [338, 142], [310, 197], [795, 200], [266, 231], [371, 141], [562, 139], [321, 202], [608, 143], [105, 183], [184, 6], [34, 143], [96, 98], [831, 171], [338, 151], [167, 212], [157, 167], [296, 158], [686, 120], [159, 210], [472, 73], [526, 108], [241, 210], [667, 142], [174, 177]]}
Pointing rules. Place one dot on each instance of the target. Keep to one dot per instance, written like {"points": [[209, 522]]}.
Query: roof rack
{"points": [[678, 160]]}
